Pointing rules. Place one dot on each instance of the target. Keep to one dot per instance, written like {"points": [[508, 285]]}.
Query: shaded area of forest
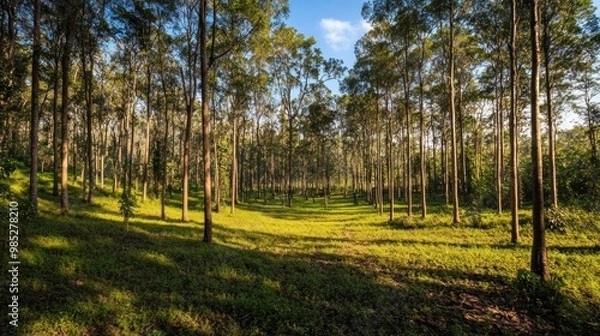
{"points": [[280, 271]]}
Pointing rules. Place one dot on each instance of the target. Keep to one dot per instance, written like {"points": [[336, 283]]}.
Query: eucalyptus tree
{"points": [[539, 257], [358, 126], [35, 109], [376, 67], [69, 15], [513, 125], [492, 28], [230, 25], [561, 38], [190, 17], [447, 10], [300, 70], [319, 128], [589, 85]]}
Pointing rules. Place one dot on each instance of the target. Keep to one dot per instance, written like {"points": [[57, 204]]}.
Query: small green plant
{"points": [[556, 220], [541, 294], [7, 167], [127, 204], [474, 218]]}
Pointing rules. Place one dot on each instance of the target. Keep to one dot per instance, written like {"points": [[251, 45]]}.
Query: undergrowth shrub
{"points": [[556, 220], [536, 293], [407, 223]]}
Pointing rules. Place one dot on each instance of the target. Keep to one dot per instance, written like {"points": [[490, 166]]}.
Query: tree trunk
{"points": [[185, 178], [422, 133], [456, 213], [205, 125], [64, 120], [539, 258], [514, 131], [390, 147], [147, 138], [379, 165], [88, 89], [56, 127], [234, 167], [550, 116], [35, 87]]}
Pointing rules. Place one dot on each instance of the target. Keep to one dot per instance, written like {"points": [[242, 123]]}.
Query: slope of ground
{"points": [[299, 271]]}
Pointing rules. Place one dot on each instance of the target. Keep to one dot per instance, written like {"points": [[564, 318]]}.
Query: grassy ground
{"points": [[299, 271]]}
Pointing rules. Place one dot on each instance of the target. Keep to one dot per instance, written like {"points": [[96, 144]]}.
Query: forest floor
{"points": [[304, 270]]}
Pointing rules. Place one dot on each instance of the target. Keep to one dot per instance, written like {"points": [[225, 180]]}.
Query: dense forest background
{"points": [[156, 99]]}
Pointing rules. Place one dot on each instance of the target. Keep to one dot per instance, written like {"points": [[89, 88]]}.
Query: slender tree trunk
{"points": [[185, 179], [456, 214], [422, 133], [35, 87], [514, 132], [88, 89], [147, 138], [290, 157], [498, 144], [539, 257], [390, 147], [234, 161], [205, 125], [550, 117], [56, 128], [64, 150], [379, 164]]}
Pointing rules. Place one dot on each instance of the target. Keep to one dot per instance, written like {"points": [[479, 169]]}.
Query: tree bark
{"points": [[550, 114], [205, 126], [456, 213], [422, 133], [35, 87], [64, 120], [56, 127], [234, 162], [514, 131], [539, 257], [147, 138]]}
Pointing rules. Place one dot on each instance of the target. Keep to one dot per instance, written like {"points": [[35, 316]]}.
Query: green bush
{"points": [[556, 220], [536, 292], [127, 204], [7, 167]]}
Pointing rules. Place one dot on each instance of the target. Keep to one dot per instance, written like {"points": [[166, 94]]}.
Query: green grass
{"points": [[300, 271]]}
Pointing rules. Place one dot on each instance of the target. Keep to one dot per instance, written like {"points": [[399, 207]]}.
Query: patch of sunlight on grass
{"points": [[189, 321], [68, 267], [231, 274], [158, 258], [272, 284], [63, 325], [54, 242], [31, 258]]}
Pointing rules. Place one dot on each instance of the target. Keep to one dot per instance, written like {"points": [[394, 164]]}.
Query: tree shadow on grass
{"points": [[94, 278]]}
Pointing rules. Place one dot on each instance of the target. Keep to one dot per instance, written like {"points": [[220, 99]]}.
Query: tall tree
{"points": [[67, 25], [456, 213], [514, 131], [34, 126], [208, 224], [539, 257]]}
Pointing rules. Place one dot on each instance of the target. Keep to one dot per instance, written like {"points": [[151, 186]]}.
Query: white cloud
{"points": [[341, 35]]}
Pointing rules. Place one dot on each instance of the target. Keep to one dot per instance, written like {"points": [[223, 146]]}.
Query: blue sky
{"points": [[336, 24]]}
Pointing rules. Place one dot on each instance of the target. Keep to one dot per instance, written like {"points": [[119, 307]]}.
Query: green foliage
{"points": [[556, 220], [127, 204], [7, 167], [474, 218], [540, 294]]}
